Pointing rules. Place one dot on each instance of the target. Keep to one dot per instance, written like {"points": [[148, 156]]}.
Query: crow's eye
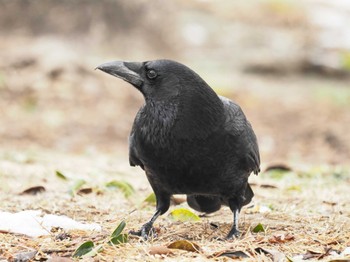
{"points": [[151, 74]]}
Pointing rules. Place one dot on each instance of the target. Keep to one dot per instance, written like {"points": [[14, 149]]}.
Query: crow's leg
{"points": [[163, 203], [234, 232]]}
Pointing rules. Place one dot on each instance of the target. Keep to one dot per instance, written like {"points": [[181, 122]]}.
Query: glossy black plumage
{"points": [[188, 139]]}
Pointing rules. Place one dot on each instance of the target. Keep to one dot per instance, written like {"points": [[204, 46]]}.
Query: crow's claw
{"points": [[233, 234], [145, 231]]}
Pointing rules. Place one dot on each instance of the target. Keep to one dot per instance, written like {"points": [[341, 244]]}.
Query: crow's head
{"points": [[158, 79], [173, 85]]}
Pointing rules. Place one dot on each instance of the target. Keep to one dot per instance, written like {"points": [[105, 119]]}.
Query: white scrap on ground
{"points": [[32, 223]]}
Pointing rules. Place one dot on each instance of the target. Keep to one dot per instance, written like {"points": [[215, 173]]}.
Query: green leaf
{"points": [[119, 229], [183, 214], [259, 228], [151, 199], [122, 238], [84, 249], [124, 186], [76, 186], [294, 188], [60, 175], [345, 60]]}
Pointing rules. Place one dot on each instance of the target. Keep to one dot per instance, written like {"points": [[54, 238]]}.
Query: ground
{"points": [[303, 211], [59, 116], [81, 131]]}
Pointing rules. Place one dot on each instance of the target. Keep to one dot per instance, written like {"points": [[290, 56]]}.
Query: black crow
{"points": [[188, 140]]}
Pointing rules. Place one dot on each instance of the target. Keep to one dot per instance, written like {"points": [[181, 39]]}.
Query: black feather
{"points": [[188, 139]]}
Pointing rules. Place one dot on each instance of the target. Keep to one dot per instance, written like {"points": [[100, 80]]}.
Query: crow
{"points": [[188, 140]]}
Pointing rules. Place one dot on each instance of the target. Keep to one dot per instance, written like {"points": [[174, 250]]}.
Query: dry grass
{"points": [[309, 211]]}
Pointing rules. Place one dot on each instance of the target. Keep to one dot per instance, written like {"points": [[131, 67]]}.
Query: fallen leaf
{"points": [[280, 167], [119, 239], [259, 209], [183, 214], [151, 199], [159, 250], [84, 249], [124, 186], [33, 190], [119, 229], [177, 200], [329, 203], [315, 254], [25, 256], [267, 186], [258, 228], [276, 255], [87, 249], [311, 254], [60, 175], [184, 245], [294, 188], [263, 185], [281, 238], [84, 191], [214, 226], [76, 186], [231, 254], [277, 171]]}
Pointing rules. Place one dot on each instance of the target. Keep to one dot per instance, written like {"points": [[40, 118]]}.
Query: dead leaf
{"points": [[25, 256], [281, 238], [184, 245], [263, 185], [329, 203], [177, 200], [84, 191], [259, 209], [230, 254], [214, 226], [318, 255], [281, 167], [276, 255], [159, 250], [311, 254], [33, 190]]}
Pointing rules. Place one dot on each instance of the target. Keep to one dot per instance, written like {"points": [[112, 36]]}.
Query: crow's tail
{"points": [[206, 204], [249, 194]]}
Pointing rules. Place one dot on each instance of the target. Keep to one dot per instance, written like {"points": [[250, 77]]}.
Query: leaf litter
{"points": [[297, 222]]}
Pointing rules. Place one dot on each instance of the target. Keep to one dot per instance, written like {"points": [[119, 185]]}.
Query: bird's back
{"points": [[243, 136]]}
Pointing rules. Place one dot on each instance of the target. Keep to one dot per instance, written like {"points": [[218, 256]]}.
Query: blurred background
{"points": [[287, 63]]}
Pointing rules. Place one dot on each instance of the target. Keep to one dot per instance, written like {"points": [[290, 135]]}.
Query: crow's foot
{"points": [[145, 231], [234, 233]]}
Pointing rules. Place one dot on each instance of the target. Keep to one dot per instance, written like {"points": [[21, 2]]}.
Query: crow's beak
{"points": [[128, 71]]}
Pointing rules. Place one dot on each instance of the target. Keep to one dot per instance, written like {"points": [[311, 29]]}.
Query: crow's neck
{"points": [[199, 114], [189, 118], [156, 122]]}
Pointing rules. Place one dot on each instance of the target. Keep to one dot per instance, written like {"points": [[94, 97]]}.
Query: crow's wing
{"points": [[133, 152], [237, 125]]}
